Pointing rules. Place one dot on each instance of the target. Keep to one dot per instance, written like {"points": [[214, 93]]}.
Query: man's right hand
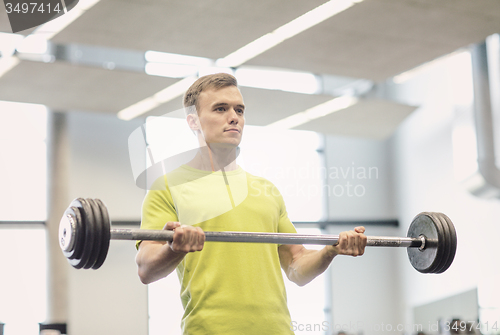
{"points": [[186, 238]]}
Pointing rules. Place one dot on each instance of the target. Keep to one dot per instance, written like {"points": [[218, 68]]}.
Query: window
{"points": [[23, 288], [23, 187], [23, 162], [291, 160]]}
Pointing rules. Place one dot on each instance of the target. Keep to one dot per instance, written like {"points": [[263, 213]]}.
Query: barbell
{"points": [[85, 233]]}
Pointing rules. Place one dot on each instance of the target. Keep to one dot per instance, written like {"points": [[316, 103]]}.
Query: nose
{"points": [[233, 116]]}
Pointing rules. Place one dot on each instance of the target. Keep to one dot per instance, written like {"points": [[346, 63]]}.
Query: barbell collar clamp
{"points": [[67, 230], [422, 245]]}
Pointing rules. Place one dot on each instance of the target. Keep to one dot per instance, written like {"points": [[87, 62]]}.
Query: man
{"points": [[227, 288]]}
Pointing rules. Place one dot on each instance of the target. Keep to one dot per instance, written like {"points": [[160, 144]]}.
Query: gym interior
{"points": [[359, 111]]}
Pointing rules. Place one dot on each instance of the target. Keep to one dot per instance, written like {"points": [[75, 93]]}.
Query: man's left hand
{"points": [[352, 242]]}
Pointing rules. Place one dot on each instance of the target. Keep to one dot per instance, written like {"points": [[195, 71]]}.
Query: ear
{"points": [[193, 121]]}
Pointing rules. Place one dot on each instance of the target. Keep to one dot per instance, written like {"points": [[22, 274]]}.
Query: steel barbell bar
{"points": [[275, 238], [85, 233]]}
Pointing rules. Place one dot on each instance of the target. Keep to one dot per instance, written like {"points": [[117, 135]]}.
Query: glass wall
{"points": [[23, 291], [23, 162], [23, 188]]}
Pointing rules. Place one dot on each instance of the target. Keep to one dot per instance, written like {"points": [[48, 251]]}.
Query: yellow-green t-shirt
{"points": [[227, 288]]}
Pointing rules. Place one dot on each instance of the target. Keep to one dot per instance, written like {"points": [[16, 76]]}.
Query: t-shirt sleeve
{"points": [[284, 224], [157, 209]]}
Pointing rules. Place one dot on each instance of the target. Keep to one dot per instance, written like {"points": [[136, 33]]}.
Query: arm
{"points": [[302, 265], [156, 259]]}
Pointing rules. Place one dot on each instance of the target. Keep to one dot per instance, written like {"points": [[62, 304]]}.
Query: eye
{"points": [[240, 111], [220, 109]]}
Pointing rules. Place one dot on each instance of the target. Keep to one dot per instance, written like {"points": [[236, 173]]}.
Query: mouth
{"points": [[233, 130]]}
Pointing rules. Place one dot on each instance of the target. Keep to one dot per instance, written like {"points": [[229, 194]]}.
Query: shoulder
{"points": [[263, 186], [182, 174], [259, 180], [160, 189]]}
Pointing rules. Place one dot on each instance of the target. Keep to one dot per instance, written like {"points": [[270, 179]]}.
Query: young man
{"points": [[227, 288]]}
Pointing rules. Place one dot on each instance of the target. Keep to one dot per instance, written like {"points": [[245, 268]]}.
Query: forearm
{"points": [[156, 261], [310, 264]]}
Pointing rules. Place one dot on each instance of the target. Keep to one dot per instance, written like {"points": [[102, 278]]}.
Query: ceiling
{"points": [[374, 40]]}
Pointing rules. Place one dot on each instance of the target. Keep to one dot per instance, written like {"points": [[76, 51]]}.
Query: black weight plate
{"points": [[423, 260], [75, 258], [79, 234], [96, 235], [443, 236], [76, 261], [452, 243], [106, 234], [88, 223]]}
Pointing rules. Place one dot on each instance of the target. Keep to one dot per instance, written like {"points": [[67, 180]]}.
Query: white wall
{"points": [[110, 300], [424, 179], [366, 290], [359, 179], [100, 165]]}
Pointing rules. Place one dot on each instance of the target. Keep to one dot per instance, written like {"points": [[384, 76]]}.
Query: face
{"points": [[221, 115]]}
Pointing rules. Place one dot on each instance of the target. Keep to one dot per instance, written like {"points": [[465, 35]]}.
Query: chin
{"points": [[225, 145]]}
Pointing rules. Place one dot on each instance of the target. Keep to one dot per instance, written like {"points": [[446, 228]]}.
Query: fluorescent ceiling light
{"points": [[86, 4], [33, 44], [13, 106], [407, 75], [205, 71], [37, 41], [168, 94], [251, 50], [292, 28], [165, 57], [51, 28], [290, 81], [175, 90], [138, 108], [316, 112], [8, 43], [170, 70]]}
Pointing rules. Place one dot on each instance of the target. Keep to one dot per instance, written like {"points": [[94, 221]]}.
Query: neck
{"points": [[215, 157]]}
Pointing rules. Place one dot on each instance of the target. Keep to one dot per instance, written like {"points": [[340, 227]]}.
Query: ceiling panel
{"points": [[374, 39], [378, 39], [63, 86], [209, 28], [375, 119], [267, 106]]}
